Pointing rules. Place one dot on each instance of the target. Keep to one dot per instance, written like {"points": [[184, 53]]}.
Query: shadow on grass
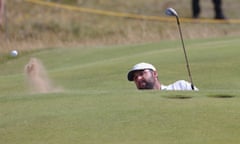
{"points": [[178, 97], [189, 97], [221, 96]]}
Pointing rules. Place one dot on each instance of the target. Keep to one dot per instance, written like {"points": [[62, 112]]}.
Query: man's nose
{"points": [[139, 77]]}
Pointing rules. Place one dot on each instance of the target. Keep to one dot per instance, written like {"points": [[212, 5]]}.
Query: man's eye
{"points": [[135, 77]]}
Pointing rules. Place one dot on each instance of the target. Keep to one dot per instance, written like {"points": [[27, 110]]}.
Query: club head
{"points": [[171, 12]]}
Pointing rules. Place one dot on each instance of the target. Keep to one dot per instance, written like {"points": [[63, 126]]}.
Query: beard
{"points": [[146, 85]]}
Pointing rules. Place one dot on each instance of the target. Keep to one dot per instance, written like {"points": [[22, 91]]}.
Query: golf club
{"points": [[172, 12]]}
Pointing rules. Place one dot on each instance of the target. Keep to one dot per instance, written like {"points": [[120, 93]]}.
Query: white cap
{"points": [[139, 66]]}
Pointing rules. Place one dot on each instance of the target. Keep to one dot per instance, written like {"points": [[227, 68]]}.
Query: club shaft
{"points": [[185, 54]]}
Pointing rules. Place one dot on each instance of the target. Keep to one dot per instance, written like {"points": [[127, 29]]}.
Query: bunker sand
{"points": [[37, 77]]}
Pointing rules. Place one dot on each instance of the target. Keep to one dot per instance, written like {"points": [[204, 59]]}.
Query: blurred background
{"points": [[28, 26]]}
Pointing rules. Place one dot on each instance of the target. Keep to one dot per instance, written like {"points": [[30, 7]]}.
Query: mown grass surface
{"points": [[99, 105]]}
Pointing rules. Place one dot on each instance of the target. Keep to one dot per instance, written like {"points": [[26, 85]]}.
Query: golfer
{"points": [[145, 76]]}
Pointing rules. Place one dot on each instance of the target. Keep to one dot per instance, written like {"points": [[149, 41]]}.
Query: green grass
{"points": [[99, 105]]}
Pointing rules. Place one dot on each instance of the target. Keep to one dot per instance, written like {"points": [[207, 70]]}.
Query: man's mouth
{"points": [[142, 84]]}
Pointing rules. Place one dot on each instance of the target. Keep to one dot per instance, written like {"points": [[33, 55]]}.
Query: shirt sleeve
{"points": [[181, 85]]}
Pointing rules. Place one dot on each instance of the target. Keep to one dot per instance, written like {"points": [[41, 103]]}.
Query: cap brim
{"points": [[130, 75]]}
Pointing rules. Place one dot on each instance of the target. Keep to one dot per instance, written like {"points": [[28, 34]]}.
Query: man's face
{"points": [[145, 79]]}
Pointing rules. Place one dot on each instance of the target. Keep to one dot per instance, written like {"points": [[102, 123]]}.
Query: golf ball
{"points": [[14, 53]]}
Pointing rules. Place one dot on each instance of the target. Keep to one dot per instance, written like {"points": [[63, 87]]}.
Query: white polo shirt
{"points": [[179, 85]]}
